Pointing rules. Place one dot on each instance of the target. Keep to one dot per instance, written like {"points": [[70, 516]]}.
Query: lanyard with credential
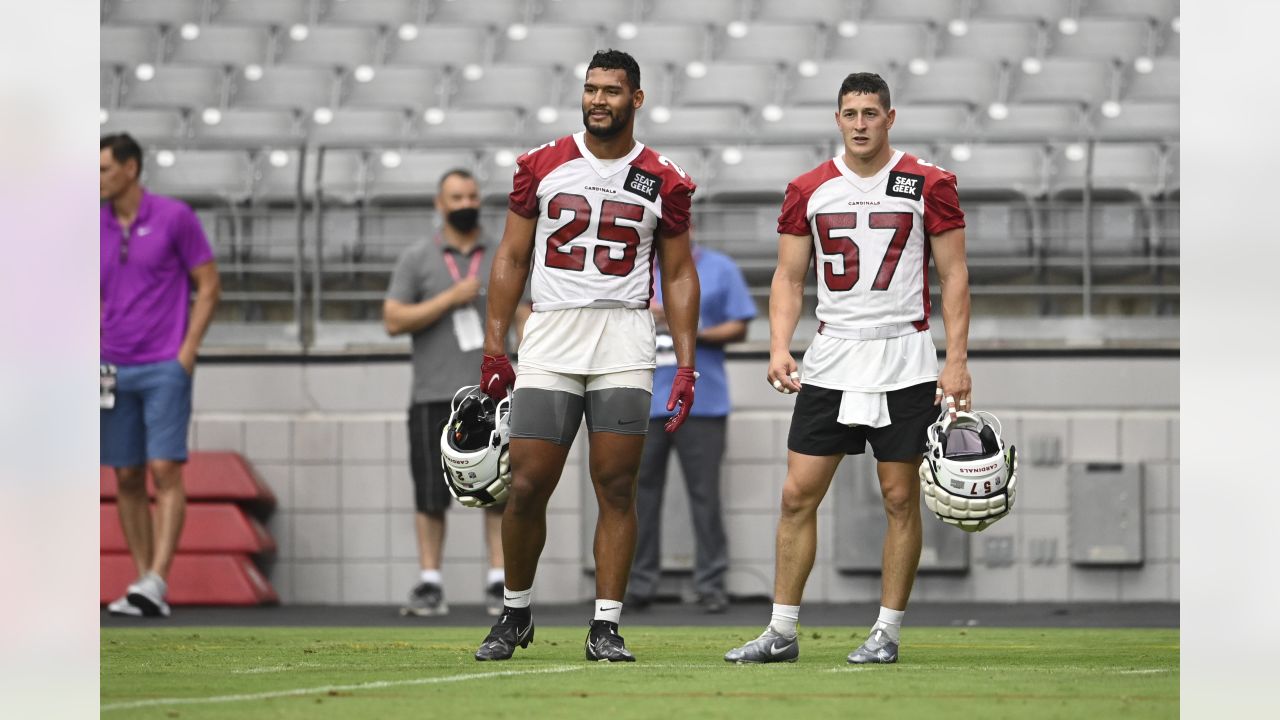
{"points": [[476, 256]]}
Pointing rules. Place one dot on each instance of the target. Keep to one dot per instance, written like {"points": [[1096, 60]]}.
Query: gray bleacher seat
{"points": [[108, 85], [929, 123], [129, 45], [923, 10], [521, 86], [673, 44], [494, 171], [390, 13], [278, 184], [265, 12], [998, 170], [331, 45], [174, 86], [417, 175], [562, 45], [951, 80], [412, 88], [996, 229], [564, 121], [823, 87], [1119, 229], [1159, 84], [1170, 42], [778, 42], [223, 45], [1153, 120], [589, 12], [146, 126], [298, 88], [256, 125], [342, 175], [364, 125], [1030, 121], [881, 41], [798, 124], [827, 12], [693, 125], [1009, 39], [1049, 11], [201, 176], [1081, 80], [1172, 182], [707, 12], [440, 46], [746, 84], [1160, 10], [478, 125], [155, 12], [762, 173], [1119, 170], [490, 12], [1105, 38]]}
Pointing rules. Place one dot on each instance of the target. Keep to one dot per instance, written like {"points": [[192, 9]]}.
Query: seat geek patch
{"points": [[643, 184], [905, 185]]}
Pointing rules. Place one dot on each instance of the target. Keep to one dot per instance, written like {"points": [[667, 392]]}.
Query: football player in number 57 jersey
{"points": [[868, 220], [588, 216]]}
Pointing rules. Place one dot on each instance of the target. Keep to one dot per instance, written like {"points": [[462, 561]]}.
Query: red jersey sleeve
{"points": [[675, 208], [942, 206], [794, 218], [523, 200]]}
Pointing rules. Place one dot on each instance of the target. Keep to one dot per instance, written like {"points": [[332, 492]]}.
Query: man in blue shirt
{"points": [[726, 307]]}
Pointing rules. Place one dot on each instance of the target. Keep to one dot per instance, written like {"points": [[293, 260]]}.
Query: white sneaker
{"points": [[147, 594], [122, 606]]}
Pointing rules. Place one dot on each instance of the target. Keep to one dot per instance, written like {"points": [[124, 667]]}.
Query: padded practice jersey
{"points": [[593, 246]]}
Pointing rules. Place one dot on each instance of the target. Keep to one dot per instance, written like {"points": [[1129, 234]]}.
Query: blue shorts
{"points": [[150, 418]]}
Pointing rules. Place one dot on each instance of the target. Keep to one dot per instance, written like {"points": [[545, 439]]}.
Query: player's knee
{"points": [[900, 503], [617, 493], [797, 500], [526, 495]]}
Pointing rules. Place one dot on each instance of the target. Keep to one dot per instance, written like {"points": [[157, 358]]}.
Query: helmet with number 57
{"points": [[474, 448], [968, 477]]}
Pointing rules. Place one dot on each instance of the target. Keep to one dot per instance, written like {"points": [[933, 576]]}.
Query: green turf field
{"points": [[428, 673]]}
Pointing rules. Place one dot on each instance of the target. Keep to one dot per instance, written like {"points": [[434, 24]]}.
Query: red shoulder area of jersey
{"points": [[814, 179], [545, 158], [674, 177], [932, 173]]}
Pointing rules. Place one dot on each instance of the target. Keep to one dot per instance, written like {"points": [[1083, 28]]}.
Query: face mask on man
{"points": [[464, 220]]}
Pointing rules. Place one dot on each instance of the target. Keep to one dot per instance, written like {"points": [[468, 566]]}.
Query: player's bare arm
{"points": [[208, 290], [786, 298], [507, 279], [681, 294], [953, 271]]}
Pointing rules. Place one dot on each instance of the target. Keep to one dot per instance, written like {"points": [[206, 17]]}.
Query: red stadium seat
{"points": [[211, 579], [209, 476], [210, 527]]}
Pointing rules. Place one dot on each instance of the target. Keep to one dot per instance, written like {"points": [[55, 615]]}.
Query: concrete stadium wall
{"points": [[330, 440]]}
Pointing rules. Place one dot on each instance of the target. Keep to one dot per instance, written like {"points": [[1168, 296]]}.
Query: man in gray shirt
{"points": [[437, 296]]}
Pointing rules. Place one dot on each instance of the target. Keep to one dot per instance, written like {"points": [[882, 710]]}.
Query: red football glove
{"points": [[496, 376], [682, 393]]}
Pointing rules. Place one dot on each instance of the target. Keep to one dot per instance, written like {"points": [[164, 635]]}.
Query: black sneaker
{"points": [[604, 644], [493, 599], [509, 632], [425, 600], [714, 603]]}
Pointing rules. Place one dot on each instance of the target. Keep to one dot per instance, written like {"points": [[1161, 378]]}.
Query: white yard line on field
{"points": [[1010, 668], [333, 688]]}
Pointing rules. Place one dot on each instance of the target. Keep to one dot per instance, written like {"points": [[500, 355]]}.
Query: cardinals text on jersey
{"points": [[593, 246]]}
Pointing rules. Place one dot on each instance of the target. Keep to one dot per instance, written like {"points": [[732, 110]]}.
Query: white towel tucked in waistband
{"points": [[864, 408]]}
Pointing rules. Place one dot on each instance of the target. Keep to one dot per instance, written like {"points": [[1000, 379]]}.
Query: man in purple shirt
{"points": [[152, 252]]}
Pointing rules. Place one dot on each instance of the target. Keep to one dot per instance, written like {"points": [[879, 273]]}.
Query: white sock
{"points": [[496, 575], [610, 610], [890, 621], [517, 598], [784, 619], [431, 576]]}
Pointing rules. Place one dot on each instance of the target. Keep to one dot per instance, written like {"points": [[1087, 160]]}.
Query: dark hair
{"points": [[864, 83], [459, 172], [617, 60], [123, 148]]}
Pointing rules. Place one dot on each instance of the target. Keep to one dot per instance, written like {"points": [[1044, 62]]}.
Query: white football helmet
{"points": [[968, 477], [474, 448]]}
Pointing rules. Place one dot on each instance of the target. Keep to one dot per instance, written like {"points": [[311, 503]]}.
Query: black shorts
{"points": [[430, 493], [814, 430]]}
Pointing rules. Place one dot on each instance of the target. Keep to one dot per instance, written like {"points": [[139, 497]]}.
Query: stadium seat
{"points": [[589, 12], [996, 230], [1172, 181], [928, 123], [146, 126], [823, 87], [1009, 40], [223, 45], [562, 45], [202, 176], [208, 475], [826, 12], [520, 86], [1119, 170], [491, 12], [798, 124], [479, 125], [674, 45], [1003, 171], [276, 183], [1158, 10], [923, 10], [1170, 42], [265, 12], [1151, 120], [494, 171], [411, 88], [1031, 121], [250, 125], [879, 42], [295, 88], [707, 12], [726, 83], [760, 174], [129, 45], [389, 13], [174, 86], [108, 86], [195, 579], [951, 80], [1079, 80], [1119, 230], [416, 176], [1049, 11], [785, 43], [346, 47], [209, 527], [155, 12], [1105, 38], [342, 175], [1159, 84], [362, 126], [693, 125], [551, 123], [441, 46]]}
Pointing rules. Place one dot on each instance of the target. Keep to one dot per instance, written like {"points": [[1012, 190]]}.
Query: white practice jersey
{"points": [[871, 254], [593, 246]]}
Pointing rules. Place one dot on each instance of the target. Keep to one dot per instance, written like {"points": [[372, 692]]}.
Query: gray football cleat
{"points": [[877, 649], [770, 647]]}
